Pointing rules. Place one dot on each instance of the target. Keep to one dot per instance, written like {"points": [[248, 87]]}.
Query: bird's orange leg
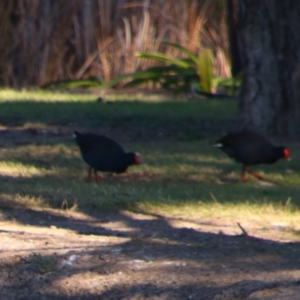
{"points": [[97, 179], [256, 175], [246, 169]]}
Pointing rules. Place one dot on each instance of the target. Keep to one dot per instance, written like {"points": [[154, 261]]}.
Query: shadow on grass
{"points": [[139, 120]]}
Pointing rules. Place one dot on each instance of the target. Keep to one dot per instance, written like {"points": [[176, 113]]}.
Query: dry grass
{"points": [[44, 42]]}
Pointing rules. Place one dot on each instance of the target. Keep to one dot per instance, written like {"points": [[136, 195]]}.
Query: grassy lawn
{"points": [[82, 110], [180, 174]]}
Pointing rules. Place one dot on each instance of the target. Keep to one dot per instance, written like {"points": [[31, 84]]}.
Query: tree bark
{"points": [[269, 42], [236, 64]]}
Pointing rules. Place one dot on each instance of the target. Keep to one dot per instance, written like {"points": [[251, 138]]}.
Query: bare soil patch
{"points": [[50, 254]]}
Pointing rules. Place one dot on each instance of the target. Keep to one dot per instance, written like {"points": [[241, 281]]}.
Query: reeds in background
{"points": [[45, 41]]}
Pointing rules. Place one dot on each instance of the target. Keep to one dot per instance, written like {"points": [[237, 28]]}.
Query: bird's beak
{"points": [[286, 154], [137, 159]]}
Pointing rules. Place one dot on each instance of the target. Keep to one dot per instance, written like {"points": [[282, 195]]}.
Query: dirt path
{"points": [[121, 255]]}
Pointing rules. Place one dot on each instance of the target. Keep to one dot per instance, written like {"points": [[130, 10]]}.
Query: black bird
{"points": [[103, 154], [250, 148]]}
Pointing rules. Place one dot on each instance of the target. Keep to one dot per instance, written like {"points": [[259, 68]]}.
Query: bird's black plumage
{"points": [[103, 154], [250, 148]]}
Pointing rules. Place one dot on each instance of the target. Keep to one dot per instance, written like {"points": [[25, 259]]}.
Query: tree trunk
{"points": [[269, 42], [236, 64]]}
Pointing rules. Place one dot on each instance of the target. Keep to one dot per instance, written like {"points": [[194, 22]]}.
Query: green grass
{"points": [[180, 174], [172, 117], [42, 264]]}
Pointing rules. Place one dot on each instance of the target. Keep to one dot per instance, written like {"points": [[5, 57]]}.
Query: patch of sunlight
{"points": [[42, 95], [191, 168], [268, 214], [141, 97], [18, 200], [14, 169], [207, 158], [137, 216], [92, 95], [154, 170], [118, 226]]}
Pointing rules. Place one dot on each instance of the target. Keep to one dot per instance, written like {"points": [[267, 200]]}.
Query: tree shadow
{"points": [[152, 259]]}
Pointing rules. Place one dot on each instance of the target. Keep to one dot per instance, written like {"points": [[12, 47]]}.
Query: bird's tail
{"points": [[217, 145]]}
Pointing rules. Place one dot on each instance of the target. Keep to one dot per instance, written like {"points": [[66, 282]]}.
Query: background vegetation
{"points": [[46, 41]]}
